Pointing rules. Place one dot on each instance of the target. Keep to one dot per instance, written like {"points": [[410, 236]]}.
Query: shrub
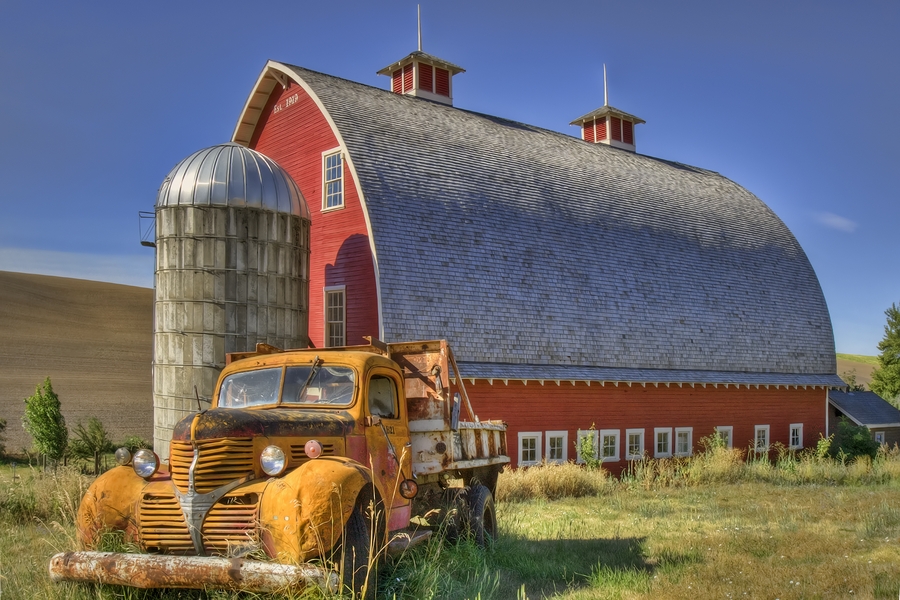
{"points": [[134, 443], [91, 442], [853, 441]]}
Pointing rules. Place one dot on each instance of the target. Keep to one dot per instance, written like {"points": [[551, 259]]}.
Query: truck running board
{"points": [[187, 572]]}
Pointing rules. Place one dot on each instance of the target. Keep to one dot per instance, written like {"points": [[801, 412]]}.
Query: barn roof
{"points": [[524, 246], [865, 408]]}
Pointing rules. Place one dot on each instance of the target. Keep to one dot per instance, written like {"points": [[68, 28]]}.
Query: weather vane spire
{"points": [[605, 89], [419, 9]]}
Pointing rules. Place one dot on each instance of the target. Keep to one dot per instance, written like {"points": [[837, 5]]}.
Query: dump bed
{"points": [[441, 439]]}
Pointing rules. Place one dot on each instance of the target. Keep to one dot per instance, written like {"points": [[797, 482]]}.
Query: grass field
{"points": [[637, 538]]}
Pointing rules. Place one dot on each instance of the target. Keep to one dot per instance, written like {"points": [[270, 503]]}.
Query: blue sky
{"points": [[796, 101]]}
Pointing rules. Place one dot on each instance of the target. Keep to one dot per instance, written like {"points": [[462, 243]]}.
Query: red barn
{"points": [[578, 281]]}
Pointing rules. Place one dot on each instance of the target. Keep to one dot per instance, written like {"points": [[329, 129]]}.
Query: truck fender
{"points": [[109, 504], [303, 513]]}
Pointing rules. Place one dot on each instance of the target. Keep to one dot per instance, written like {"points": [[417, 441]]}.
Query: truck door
{"points": [[387, 439]]}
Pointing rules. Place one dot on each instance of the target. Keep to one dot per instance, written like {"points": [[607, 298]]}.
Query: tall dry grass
{"points": [[552, 482], [41, 495], [713, 464]]}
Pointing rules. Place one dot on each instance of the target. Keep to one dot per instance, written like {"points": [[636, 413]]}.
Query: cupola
{"points": [[608, 125], [423, 75]]}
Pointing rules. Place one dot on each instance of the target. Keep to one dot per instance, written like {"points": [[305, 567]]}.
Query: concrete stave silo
{"points": [[232, 270]]}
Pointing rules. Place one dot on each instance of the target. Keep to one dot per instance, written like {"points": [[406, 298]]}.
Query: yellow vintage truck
{"points": [[307, 468]]}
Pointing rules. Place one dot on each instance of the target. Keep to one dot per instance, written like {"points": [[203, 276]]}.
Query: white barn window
{"points": [[335, 317], [593, 436], [796, 436], [557, 446], [761, 438], [684, 441], [725, 433], [529, 448], [609, 445], [662, 446], [332, 181], [634, 444]]}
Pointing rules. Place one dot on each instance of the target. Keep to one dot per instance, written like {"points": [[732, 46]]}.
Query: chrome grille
{"points": [[230, 528], [221, 461], [162, 525]]}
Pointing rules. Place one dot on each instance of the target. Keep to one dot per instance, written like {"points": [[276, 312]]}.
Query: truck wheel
{"points": [[483, 520], [455, 518], [355, 557]]}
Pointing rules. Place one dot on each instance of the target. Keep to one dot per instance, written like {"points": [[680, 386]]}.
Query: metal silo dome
{"points": [[231, 175]]}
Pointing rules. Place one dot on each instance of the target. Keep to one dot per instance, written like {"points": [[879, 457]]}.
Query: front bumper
{"points": [[187, 572]]}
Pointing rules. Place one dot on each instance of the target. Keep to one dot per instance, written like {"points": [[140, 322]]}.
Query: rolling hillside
{"points": [[94, 341], [862, 366]]}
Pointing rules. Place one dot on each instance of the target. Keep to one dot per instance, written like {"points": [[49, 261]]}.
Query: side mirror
{"points": [[373, 420]]}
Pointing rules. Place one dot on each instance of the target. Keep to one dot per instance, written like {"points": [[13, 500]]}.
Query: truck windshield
{"points": [[329, 385]]}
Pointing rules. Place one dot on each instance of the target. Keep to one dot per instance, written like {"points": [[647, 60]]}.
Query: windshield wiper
{"points": [[317, 362]]}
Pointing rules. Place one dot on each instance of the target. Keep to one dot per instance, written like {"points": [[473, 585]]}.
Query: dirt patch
{"points": [[95, 342]]}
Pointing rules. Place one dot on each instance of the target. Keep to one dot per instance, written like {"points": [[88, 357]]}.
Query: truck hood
{"points": [[274, 422]]}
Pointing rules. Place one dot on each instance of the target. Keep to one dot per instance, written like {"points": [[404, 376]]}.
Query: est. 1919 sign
{"points": [[289, 101]]}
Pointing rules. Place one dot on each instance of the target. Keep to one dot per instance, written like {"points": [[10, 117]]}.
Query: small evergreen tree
{"points": [[886, 378], [91, 442], [45, 423]]}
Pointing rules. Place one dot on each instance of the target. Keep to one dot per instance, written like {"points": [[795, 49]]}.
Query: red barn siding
{"points": [[293, 132], [548, 407]]}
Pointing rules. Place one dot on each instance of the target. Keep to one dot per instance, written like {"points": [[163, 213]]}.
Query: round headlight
{"points": [[272, 460], [123, 457], [145, 463]]}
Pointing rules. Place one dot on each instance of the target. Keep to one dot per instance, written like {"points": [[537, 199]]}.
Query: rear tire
{"points": [[483, 516], [356, 556], [455, 514]]}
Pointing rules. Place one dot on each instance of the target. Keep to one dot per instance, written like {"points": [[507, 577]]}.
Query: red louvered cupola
{"points": [[424, 76], [608, 125]]}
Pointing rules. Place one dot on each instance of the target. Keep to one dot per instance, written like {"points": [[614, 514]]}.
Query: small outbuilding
{"points": [[867, 409]]}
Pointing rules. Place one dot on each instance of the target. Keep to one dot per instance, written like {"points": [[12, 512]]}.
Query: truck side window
{"points": [[383, 397]]}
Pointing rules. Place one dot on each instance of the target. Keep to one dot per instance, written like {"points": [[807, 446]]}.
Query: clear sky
{"points": [[796, 101]]}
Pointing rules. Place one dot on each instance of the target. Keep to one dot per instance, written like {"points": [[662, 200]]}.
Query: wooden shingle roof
{"points": [[527, 247]]}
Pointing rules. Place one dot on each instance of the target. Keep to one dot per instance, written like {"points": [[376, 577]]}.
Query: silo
{"points": [[232, 269]]}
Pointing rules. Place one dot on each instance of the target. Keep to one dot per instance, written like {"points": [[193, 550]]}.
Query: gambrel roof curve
{"points": [[524, 246]]}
